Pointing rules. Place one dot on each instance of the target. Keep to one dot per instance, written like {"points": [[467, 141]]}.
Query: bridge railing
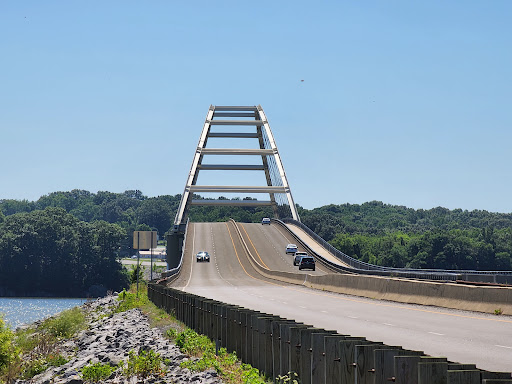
{"points": [[498, 277], [176, 271]]}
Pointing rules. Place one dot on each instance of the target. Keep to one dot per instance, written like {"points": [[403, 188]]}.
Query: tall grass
{"points": [[28, 352]]}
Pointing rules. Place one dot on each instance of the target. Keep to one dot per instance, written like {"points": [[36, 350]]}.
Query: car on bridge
{"points": [[307, 262], [202, 256], [265, 220], [298, 257], [291, 248]]}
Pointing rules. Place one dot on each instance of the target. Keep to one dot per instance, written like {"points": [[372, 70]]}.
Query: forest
{"points": [[85, 230], [50, 252]]}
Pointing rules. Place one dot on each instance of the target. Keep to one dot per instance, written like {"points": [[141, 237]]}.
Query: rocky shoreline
{"points": [[108, 339]]}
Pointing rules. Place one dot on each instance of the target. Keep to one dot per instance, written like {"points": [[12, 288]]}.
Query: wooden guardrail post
{"points": [[365, 362], [296, 348], [432, 372], [332, 358], [384, 359], [278, 348], [244, 334], [347, 357], [255, 341], [318, 356], [306, 353], [485, 375], [407, 367], [463, 377], [265, 344]]}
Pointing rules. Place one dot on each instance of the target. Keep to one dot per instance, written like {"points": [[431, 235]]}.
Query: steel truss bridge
{"points": [[249, 266]]}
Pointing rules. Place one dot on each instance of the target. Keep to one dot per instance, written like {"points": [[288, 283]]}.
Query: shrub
{"points": [[66, 324], [144, 364], [97, 372], [9, 352]]}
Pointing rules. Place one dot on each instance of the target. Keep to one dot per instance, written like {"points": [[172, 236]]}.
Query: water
{"points": [[21, 311]]}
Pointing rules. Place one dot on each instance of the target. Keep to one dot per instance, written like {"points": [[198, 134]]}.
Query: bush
{"points": [[97, 372], [8, 351], [66, 324], [144, 364]]}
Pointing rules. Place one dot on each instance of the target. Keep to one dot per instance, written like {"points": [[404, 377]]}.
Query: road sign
{"points": [[144, 239]]}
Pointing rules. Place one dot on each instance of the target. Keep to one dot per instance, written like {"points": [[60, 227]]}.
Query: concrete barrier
{"points": [[449, 295]]}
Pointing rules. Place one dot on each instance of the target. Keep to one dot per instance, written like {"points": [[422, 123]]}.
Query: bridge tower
{"points": [[239, 122]]}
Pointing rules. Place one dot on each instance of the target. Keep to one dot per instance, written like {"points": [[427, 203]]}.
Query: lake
{"points": [[20, 311]]}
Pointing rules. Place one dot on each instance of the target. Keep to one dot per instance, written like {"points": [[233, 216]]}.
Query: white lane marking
{"points": [[324, 311], [284, 302], [503, 346], [390, 325], [302, 307], [437, 334], [353, 317]]}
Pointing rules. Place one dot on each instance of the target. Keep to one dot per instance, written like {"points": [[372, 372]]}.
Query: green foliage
{"points": [[8, 350], [192, 343], [136, 270], [289, 378], [144, 364], [130, 300], [486, 249], [226, 364], [52, 251], [66, 324], [95, 373], [498, 311]]}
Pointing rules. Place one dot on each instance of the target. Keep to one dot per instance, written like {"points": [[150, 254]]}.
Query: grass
{"points": [[225, 364], [95, 373], [200, 347], [28, 352]]}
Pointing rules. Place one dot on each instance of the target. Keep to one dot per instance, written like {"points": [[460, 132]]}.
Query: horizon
{"points": [[309, 209]]}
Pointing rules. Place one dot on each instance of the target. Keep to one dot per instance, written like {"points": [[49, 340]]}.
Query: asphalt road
{"points": [[465, 337]]}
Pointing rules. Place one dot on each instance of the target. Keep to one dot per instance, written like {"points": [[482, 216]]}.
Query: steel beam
{"points": [[267, 151], [235, 108], [234, 135], [236, 203], [230, 167], [233, 114], [236, 122], [236, 189], [236, 151]]}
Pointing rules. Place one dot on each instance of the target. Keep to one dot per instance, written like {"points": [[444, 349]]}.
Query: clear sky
{"points": [[406, 102]]}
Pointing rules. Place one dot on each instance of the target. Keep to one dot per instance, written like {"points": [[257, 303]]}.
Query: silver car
{"points": [[203, 256]]}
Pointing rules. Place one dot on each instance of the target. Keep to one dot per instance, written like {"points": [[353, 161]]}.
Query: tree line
{"points": [[374, 232], [51, 252]]}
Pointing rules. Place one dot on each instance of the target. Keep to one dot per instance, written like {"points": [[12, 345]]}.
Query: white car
{"points": [[265, 220], [291, 248], [203, 256]]}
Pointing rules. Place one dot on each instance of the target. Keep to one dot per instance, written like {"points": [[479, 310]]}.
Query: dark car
{"points": [[307, 262], [203, 256], [298, 256]]}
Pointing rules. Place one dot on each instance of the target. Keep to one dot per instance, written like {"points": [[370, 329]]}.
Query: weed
{"points": [[66, 324], [289, 378], [498, 311], [144, 364], [97, 372]]}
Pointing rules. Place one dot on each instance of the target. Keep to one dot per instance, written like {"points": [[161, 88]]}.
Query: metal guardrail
{"points": [[498, 277]]}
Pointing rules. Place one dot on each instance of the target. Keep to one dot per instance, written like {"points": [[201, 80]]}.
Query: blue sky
{"points": [[405, 102]]}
